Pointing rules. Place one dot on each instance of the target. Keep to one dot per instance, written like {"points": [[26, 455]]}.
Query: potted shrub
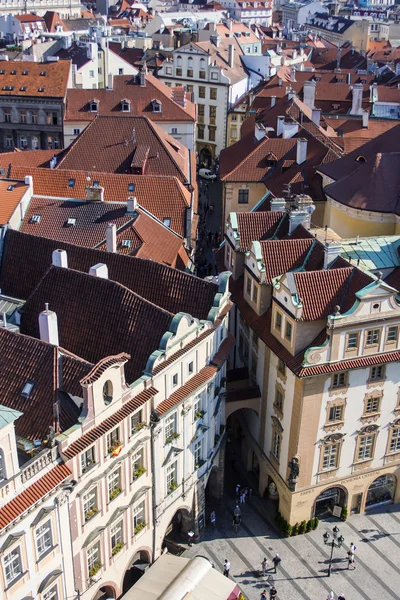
{"points": [[139, 471], [115, 448], [91, 512], [95, 569], [139, 526], [200, 414], [315, 522], [115, 493], [117, 548], [173, 486], [309, 525], [171, 438], [88, 466], [303, 527], [295, 529], [199, 464], [345, 513], [288, 530], [139, 426]]}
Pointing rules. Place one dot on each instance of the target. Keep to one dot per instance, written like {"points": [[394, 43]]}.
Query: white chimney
{"points": [[365, 119], [294, 54], [280, 81], [316, 116], [356, 104], [309, 93], [231, 55], [289, 129], [301, 151], [131, 205], [229, 24], [48, 326], [299, 217], [99, 270], [273, 101], [59, 259], [373, 97], [292, 74], [29, 180], [278, 205], [331, 252], [142, 77], [349, 78], [111, 237], [279, 126], [259, 131]]}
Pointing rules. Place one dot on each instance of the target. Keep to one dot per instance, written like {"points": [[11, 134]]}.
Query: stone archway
{"points": [[106, 592], [177, 530], [138, 564], [205, 157], [328, 499], [381, 491]]}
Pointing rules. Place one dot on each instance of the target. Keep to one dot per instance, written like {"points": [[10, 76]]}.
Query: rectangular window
{"points": [[330, 456], [172, 477], [175, 380], [200, 110], [288, 331], [248, 286], [12, 565], [335, 413], [211, 134], [170, 427], [35, 118], [276, 445], [278, 321], [189, 88], [352, 341], [200, 132], [372, 405], [281, 367], [51, 594], [120, 71], [117, 538], [392, 334], [9, 141], [174, 130], [202, 74], [372, 337], [255, 293], [139, 517], [202, 92], [22, 116], [137, 422], [7, 115], [138, 464], [377, 373], [90, 506], [87, 459], [395, 441], [77, 131], [213, 93], [214, 76], [94, 559], [113, 440], [339, 380], [198, 452], [43, 538], [197, 405], [243, 197], [91, 73], [366, 447], [279, 400], [178, 72], [114, 484], [189, 73]]}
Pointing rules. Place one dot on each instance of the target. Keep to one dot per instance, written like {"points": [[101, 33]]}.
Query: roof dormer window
{"points": [[126, 243], [35, 218], [126, 105], [94, 106], [71, 222], [71, 183], [361, 159], [42, 73], [11, 188], [157, 106]]}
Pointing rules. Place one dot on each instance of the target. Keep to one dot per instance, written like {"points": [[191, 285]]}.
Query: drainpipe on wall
{"points": [[154, 420]]}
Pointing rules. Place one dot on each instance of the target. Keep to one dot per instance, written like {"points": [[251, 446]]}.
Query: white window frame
{"points": [[117, 534], [330, 456], [12, 565], [366, 447], [171, 424], [198, 451], [172, 474], [135, 420], [88, 458], [395, 437], [114, 482], [43, 538], [51, 594], [90, 501], [139, 514], [93, 555], [175, 380]]}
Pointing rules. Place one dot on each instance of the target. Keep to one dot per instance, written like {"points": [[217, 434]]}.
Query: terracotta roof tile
{"points": [[161, 366], [118, 320], [29, 158], [163, 197], [255, 226], [28, 497], [140, 97], [112, 144], [11, 193], [102, 366], [280, 256], [94, 434], [53, 81], [346, 365], [27, 258]]}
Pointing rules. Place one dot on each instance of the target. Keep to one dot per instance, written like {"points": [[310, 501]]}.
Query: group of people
{"points": [[206, 239], [331, 596], [243, 494]]}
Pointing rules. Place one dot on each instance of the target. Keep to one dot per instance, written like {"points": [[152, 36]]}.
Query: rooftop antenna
{"points": [[134, 135]]}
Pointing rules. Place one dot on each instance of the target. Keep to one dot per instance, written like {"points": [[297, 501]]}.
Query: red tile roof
{"points": [[204, 375], [94, 434], [254, 226], [161, 366], [29, 158], [140, 97], [26, 259], [103, 365], [54, 80], [23, 359], [98, 317], [11, 193], [280, 256], [321, 291], [163, 197], [127, 145], [35, 492], [346, 365]]}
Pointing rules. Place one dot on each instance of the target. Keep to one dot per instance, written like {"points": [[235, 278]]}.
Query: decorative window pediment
{"points": [[171, 454], [277, 424]]}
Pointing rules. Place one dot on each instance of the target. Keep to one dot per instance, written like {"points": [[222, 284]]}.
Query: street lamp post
{"points": [[334, 541]]}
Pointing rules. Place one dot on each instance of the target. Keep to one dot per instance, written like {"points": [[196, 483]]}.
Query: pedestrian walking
{"points": [[341, 597], [263, 595], [264, 565], [212, 518], [331, 596], [237, 511], [353, 548], [350, 559], [190, 538], [273, 593], [276, 560], [237, 519], [227, 567], [237, 492]]}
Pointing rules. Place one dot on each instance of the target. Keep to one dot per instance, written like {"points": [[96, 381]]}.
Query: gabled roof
{"points": [[219, 56], [321, 291], [164, 197], [140, 97], [27, 258], [280, 256], [11, 194], [28, 158], [24, 359], [254, 226], [50, 77], [122, 144], [98, 317]]}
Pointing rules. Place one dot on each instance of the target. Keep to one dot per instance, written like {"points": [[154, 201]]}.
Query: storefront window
{"points": [[381, 491]]}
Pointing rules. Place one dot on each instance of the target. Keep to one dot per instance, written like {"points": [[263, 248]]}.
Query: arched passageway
{"points": [[139, 563]]}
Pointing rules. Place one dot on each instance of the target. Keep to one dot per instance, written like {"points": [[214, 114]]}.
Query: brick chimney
{"points": [[48, 326], [99, 270], [59, 259], [356, 104], [309, 93], [331, 252], [111, 237], [94, 193]]}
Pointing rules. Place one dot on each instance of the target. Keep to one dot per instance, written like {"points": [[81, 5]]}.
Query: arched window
{"points": [[179, 61], [157, 106], [202, 63], [107, 392], [361, 159], [35, 143], [23, 142]]}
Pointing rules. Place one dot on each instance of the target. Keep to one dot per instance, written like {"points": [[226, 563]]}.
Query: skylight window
{"points": [[96, 183], [35, 219], [131, 187], [71, 183], [126, 243], [43, 73], [11, 188], [41, 90], [167, 221], [22, 89], [13, 72], [71, 222], [24, 72], [28, 388]]}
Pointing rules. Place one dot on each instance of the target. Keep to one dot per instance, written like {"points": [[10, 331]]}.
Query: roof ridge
{"points": [[167, 148]]}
